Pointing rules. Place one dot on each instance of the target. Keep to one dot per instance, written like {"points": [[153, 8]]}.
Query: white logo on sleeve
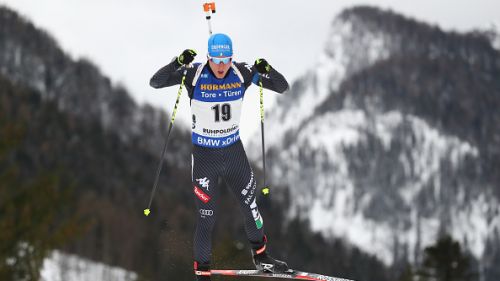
{"points": [[204, 182], [249, 67]]}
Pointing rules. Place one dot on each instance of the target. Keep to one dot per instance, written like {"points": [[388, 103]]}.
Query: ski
{"points": [[289, 274]]}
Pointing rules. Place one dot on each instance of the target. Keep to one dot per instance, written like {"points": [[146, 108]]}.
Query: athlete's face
{"points": [[218, 66]]}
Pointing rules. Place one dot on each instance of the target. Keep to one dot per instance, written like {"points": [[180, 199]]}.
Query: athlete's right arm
{"points": [[169, 75], [172, 73]]}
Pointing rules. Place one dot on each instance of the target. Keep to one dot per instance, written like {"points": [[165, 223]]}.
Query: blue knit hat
{"points": [[220, 45]]}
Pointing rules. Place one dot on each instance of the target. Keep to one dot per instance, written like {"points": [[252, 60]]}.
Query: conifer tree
{"points": [[445, 261], [33, 210]]}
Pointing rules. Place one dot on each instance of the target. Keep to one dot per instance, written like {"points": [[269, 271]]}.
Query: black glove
{"points": [[186, 57], [262, 66]]}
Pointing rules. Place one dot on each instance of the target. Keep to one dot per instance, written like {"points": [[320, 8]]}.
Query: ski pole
{"points": [[209, 8], [266, 188], [147, 211]]}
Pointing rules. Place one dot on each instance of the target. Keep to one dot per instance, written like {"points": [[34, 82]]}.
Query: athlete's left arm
{"points": [[273, 80]]}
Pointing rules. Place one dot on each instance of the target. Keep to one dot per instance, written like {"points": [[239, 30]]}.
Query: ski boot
{"points": [[264, 262], [202, 271]]}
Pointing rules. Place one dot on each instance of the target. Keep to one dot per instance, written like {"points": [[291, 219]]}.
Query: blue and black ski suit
{"points": [[217, 150]]}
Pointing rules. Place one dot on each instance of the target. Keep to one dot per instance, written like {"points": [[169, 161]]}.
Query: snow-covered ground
{"points": [[64, 267]]}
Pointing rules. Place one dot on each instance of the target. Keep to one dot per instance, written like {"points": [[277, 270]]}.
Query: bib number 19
{"points": [[222, 111]]}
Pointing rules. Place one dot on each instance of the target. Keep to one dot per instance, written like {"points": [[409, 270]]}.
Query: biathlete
{"points": [[216, 88]]}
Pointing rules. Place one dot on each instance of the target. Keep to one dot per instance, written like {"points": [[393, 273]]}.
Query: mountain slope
{"points": [[394, 137]]}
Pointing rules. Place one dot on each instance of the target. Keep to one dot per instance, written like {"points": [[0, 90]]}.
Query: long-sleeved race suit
{"points": [[217, 149]]}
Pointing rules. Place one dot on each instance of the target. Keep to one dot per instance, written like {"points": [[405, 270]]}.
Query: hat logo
{"points": [[217, 47]]}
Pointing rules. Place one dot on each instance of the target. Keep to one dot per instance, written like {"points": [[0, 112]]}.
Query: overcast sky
{"points": [[130, 39]]}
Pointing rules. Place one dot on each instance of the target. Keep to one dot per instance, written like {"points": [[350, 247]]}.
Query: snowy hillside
{"points": [[493, 32], [348, 50], [335, 205], [64, 267], [389, 140]]}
